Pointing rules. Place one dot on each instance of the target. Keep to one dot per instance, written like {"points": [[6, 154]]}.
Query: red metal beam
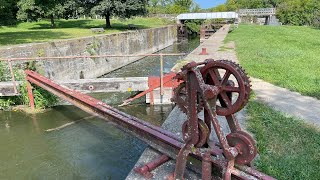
{"points": [[158, 138], [154, 82]]}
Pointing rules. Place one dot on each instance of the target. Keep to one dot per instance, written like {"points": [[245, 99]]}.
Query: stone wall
{"points": [[131, 42]]}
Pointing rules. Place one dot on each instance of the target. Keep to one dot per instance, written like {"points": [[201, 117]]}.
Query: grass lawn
{"points": [[288, 148], [41, 31], [287, 56]]}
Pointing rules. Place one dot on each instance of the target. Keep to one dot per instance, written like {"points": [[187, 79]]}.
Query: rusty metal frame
{"points": [[158, 138], [238, 146]]}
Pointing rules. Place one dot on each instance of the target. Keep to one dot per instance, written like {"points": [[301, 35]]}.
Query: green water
{"points": [[150, 66], [88, 149]]}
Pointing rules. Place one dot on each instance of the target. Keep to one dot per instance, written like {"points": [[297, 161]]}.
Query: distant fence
{"points": [[257, 12]]}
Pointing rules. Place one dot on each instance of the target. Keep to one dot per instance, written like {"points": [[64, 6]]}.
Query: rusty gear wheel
{"points": [[232, 81], [204, 132], [180, 98], [245, 145]]}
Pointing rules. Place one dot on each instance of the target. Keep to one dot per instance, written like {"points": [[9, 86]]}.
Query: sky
{"points": [[209, 3]]}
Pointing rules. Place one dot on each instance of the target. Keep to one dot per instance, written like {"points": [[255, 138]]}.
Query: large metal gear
{"points": [[180, 98], [232, 81], [219, 88]]}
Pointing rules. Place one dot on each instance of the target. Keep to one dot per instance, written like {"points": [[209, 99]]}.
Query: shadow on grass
{"points": [[315, 92], [20, 37], [85, 24]]}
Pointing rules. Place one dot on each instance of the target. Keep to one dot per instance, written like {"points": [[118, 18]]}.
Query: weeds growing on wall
{"points": [[6, 103], [43, 99]]}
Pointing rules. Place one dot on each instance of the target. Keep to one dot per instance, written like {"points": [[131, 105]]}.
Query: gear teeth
{"points": [[243, 74], [184, 106]]}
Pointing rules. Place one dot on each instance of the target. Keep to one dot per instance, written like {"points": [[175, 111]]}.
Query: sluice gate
{"points": [[159, 139]]}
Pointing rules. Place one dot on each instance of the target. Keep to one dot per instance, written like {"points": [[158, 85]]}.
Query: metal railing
{"points": [[161, 55], [257, 12]]}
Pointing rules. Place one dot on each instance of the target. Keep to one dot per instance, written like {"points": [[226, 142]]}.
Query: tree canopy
{"points": [[291, 12], [172, 6], [32, 10], [8, 10], [119, 8]]}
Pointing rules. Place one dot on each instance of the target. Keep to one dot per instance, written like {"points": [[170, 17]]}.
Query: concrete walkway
{"points": [[213, 44], [291, 103]]}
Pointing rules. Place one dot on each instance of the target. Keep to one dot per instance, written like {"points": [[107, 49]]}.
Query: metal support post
{"points": [[161, 79], [30, 95], [12, 77]]}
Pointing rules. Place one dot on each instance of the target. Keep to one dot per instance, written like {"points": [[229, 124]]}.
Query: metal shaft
{"points": [[161, 140]]}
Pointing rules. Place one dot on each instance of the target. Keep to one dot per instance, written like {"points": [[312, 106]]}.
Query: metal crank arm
{"points": [[209, 93], [193, 131]]}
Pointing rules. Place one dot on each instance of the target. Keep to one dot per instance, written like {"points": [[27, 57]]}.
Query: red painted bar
{"points": [[144, 130]]}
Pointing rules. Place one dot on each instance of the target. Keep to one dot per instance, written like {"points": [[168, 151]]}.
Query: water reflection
{"points": [[89, 149]]}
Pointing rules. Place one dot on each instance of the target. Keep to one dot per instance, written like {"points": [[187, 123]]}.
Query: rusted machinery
{"points": [[219, 88]]}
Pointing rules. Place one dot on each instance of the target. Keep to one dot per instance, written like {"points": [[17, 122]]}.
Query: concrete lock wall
{"points": [[131, 42]]}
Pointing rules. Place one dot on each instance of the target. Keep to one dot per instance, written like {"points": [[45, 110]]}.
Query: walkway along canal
{"points": [[88, 149]]}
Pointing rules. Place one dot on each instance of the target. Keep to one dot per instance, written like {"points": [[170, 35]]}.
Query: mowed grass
{"points": [[287, 56], [288, 148], [41, 31]]}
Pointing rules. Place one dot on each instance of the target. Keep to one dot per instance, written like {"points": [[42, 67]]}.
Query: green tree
{"points": [[51, 9], [231, 5], [219, 8], [119, 8], [250, 4], [71, 9], [196, 8], [272, 3], [158, 7], [28, 10], [173, 6], [185, 5], [292, 12], [298, 12], [8, 11], [32, 10]]}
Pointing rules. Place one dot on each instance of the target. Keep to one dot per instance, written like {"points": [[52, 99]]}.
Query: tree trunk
{"points": [[108, 24], [52, 20]]}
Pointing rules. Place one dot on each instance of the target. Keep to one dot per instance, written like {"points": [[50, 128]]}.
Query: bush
{"points": [[316, 19], [6, 103], [194, 25], [42, 98]]}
